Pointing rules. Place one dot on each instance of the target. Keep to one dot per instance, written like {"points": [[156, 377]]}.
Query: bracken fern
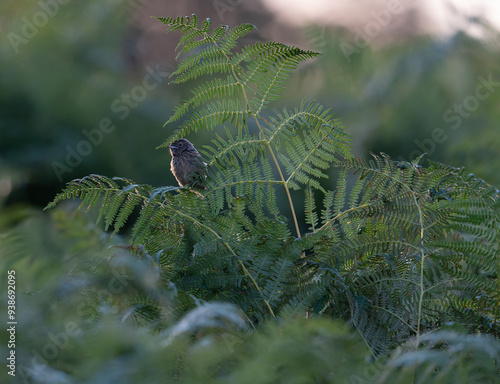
{"points": [[394, 248]]}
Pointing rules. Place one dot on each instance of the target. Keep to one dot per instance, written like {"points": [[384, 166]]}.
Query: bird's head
{"points": [[180, 146]]}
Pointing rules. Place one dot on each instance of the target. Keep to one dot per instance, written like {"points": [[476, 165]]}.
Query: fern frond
{"points": [[190, 27], [270, 79], [215, 89], [115, 203], [305, 155], [235, 150], [231, 37], [394, 248], [328, 210], [310, 209], [276, 287], [212, 116]]}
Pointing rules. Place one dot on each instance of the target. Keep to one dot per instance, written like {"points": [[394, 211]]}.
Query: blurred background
{"points": [[84, 85]]}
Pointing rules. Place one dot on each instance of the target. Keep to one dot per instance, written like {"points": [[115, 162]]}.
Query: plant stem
{"points": [[342, 214], [228, 246], [422, 265], [275, 160]]}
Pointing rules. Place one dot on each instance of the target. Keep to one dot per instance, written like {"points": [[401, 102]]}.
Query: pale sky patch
{"points": [[438, 17]]}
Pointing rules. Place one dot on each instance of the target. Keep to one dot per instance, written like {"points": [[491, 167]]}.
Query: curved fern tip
{"points": [[49, 206], [417, 160]]}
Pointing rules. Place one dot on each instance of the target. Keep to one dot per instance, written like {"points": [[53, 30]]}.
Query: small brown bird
{"points": [[187, 165]]}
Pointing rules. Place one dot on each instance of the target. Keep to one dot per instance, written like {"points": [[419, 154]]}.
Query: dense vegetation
{"points": [[237, 283]]}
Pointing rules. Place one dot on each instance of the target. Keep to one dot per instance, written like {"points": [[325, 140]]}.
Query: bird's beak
{"points": [[172, 146]]}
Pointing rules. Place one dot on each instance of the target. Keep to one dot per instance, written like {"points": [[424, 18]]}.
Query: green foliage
{"points": [[396, 249], [84, 326], [445, 357], [254, 76], [403, 97], [59, 81]]}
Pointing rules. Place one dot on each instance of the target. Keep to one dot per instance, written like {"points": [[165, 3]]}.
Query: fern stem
{"points": [[310, 153], [275, 160], [422, 265], [396, 316], [342, 214], [228, 246], [246, 182], [285, 184], [422, 253], [440, 283], [247, 272], [230, 148], [391, 279], [365, 340]]}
